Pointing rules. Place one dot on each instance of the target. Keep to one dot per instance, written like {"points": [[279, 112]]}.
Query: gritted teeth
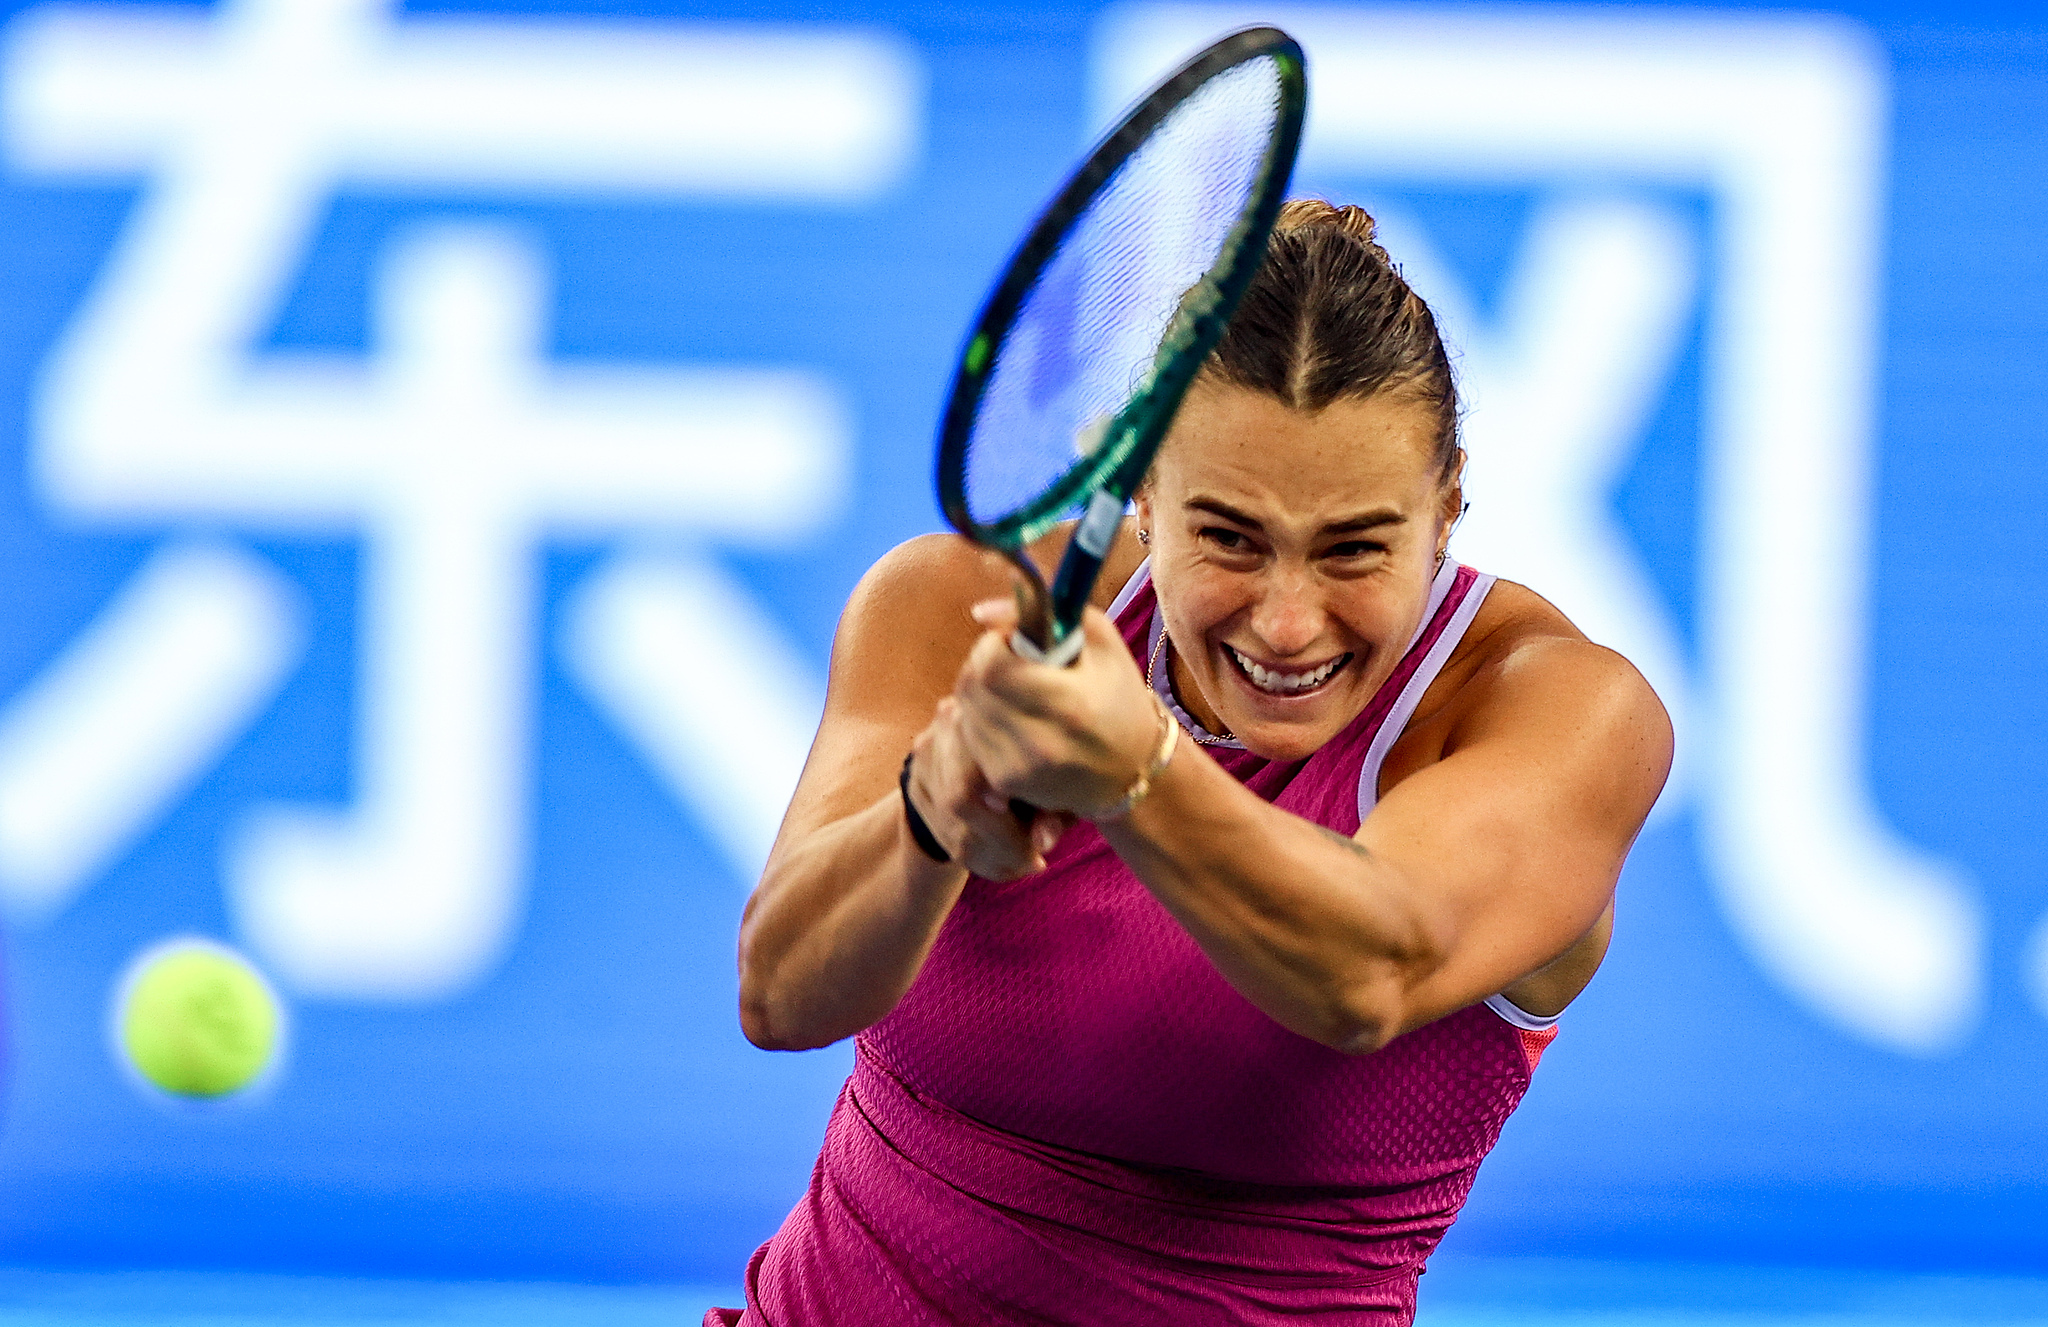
{"points": [[1285, 684]]}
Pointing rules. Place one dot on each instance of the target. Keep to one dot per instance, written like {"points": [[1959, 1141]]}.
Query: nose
{"points": [[1289, 617]]}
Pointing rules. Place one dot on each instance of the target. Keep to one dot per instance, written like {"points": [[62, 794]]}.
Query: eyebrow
{"points": [[1366, 520]]}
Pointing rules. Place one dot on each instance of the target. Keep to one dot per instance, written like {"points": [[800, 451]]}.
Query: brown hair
{"points": [[1329, 317]]}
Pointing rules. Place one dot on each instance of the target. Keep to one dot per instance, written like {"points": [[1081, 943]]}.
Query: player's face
{"points": [[1293, 555]]}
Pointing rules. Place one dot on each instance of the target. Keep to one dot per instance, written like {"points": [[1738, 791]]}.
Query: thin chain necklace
{"points": [[1152, 680]]}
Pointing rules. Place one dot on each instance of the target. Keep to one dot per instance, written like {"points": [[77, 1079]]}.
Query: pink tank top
{"points": [[1071, 1117]]}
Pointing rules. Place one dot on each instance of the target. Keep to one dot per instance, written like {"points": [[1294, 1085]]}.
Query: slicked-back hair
{"points": [[1328, 317]]}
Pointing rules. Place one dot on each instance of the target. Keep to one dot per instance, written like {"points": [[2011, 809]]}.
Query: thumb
{"points": [[1048, 828], [996, 615]]}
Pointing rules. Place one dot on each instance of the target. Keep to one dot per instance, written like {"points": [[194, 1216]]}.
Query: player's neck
{"points": [[1189, 695]]}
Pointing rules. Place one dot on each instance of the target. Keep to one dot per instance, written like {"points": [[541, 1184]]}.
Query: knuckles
{"points": [[1032, 733]]}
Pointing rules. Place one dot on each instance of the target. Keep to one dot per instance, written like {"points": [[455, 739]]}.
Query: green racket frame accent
{"points": [[1108, 476]]}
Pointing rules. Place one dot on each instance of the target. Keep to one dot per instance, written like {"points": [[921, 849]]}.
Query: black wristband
{"points": [[918, 829]]}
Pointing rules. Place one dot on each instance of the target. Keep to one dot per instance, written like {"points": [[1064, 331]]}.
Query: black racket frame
{"points": [[1111, 474]]}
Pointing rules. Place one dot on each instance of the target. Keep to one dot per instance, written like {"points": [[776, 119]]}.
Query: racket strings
{"points": [[1116, 296]]}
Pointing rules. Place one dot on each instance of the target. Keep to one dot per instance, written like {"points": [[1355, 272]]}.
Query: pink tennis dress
{"points": [[1072, 1118]]}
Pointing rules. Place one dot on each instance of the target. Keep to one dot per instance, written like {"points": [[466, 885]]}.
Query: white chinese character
{"points": [[1782, 121], [453, 449]]}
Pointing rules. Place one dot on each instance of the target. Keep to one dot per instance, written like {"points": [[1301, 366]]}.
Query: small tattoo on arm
{"points": [[1344, 839]]}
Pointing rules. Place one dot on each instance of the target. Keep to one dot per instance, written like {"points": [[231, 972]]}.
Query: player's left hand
{"points": [[1064, 739]]}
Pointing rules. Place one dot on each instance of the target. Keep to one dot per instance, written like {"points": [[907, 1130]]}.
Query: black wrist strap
{"points": [[918, 829]]}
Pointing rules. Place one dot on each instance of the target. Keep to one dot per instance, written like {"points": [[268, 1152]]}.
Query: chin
{"points": [[1299, 735], [1283, 727], [1287, 741]]}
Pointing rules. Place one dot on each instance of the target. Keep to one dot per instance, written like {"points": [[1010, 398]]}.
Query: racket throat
{"points": [[1049, 628], [1075, 580]]}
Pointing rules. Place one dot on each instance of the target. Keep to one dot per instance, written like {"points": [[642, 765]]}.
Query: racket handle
{"points": [[1059, 656]]}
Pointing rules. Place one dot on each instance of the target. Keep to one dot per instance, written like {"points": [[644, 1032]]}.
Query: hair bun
{"points": [[1328, 317], [1313, 214]]}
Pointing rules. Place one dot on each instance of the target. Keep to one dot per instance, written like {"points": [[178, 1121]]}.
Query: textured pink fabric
{"points": [[1072, 1118]]}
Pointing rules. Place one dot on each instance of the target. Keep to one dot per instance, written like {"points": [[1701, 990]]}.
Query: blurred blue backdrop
{"points": [[435, 443]]}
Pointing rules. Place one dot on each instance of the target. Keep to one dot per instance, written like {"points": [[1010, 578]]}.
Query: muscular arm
{"points": [[848, 906], [1472, 872]]}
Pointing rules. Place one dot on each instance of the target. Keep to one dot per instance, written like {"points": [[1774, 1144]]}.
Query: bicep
{"points": [[1511, 844]]}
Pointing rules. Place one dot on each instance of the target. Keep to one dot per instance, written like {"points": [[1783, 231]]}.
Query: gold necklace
{"points": [[1152, 681]]}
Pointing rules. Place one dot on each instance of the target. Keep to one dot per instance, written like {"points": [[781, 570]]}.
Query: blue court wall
{"points": [[435, 443]]}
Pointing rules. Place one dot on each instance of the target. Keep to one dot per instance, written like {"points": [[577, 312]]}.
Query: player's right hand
{"points": [[970, 819]]}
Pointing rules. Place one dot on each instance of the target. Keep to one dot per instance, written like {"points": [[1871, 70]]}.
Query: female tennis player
{"points": [[1329, 836]]}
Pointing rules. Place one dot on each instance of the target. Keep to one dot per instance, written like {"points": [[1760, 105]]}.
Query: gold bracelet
{"points": [[1169, 741]]}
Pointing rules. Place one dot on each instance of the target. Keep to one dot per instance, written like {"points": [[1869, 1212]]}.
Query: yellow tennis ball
{"points": [[197, 1020]]}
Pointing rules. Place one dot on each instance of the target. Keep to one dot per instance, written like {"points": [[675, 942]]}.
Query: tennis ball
{"points": [[196, 1020]]}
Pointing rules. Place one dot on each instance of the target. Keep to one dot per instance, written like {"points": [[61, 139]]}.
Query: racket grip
{"points": [[1059, 656]]}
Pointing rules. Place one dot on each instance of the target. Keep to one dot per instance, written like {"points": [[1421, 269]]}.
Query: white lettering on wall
{"points": [[133, 711], [455, 447]]}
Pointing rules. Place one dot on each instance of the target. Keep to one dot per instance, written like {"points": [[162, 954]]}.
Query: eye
{"points": [[1223, 537], [1355, 548]]}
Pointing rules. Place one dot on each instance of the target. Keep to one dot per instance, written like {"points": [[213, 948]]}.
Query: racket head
{"points": [[1110, 306]]}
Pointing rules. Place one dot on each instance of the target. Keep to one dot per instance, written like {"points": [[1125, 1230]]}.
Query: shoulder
{"points": [[1524, 667], [915, 598], [906, 626], [925, 571], [1520, 639]]}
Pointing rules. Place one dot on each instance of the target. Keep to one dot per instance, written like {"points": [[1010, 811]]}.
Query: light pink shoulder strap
{"points": [[1418, 683], [1140, 578], [1535, 1030]]}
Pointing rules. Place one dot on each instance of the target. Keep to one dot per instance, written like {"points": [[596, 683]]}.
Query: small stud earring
{"points": [[1145, 537]]}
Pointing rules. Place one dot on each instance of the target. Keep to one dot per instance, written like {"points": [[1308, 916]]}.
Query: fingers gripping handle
{"points": [[1061, 655], [1070, 590]]}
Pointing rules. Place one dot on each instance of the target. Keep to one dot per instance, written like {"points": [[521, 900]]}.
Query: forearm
{"points": [[1321, 934], [838, 929]]}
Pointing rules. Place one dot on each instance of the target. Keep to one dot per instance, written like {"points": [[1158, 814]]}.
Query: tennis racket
{"points": [[1117, 295]]}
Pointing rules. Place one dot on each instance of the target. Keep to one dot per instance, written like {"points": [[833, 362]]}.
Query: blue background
{"points": [[591, 1110]]}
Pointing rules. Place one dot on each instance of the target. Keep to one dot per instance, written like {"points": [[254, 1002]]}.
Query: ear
{"points": [[1141, 503], [1452, 502]]}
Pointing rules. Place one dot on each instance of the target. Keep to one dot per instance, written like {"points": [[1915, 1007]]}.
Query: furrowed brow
{"points": [[1371, 520], [1367, 520], [1229, 513]]}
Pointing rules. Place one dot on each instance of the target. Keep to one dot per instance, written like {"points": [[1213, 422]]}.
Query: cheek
{"points": [[1198, 598], [1383, 617]]}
